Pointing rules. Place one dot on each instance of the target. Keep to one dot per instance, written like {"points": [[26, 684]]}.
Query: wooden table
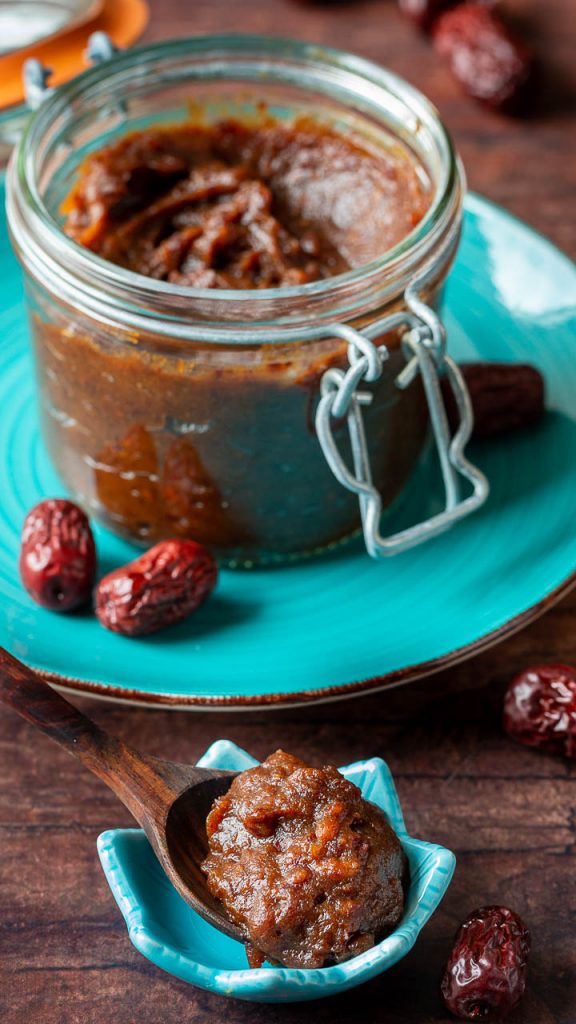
{"points": [[508, 813]]}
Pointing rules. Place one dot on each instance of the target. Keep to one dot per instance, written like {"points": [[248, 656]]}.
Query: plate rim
{"points": [[342, 691]]}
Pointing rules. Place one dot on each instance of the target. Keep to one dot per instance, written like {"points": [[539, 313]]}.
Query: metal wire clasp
{"points": [[36, 75], [423, 343]]}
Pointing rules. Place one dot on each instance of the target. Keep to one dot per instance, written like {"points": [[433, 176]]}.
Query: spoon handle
{"points": [[131, 776], [30, 696]]}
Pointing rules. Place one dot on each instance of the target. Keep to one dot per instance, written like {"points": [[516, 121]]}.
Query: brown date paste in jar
{"points": [[232, 206], [217, 443], [311, 872]]}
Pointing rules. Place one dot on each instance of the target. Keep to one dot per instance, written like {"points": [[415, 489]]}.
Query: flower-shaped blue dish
{"points": [[170, 934]]}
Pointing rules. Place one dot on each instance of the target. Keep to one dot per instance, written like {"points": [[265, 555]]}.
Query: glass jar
{"points": [[177, 411]]}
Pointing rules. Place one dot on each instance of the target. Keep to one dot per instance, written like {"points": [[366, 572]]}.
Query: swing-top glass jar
{"points": [[268, 422]]}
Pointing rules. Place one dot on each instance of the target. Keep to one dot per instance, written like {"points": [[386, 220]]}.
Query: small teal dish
{"points": [[169, 933]]}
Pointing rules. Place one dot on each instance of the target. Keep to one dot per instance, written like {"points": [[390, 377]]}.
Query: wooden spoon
{"points": [[170, 801]]}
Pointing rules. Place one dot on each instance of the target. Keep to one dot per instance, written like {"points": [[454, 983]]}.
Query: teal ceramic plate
{"points": [[340, 624], [167, 931]]}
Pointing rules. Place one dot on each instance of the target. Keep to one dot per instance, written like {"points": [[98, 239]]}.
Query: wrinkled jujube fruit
{"points": [[161, 587], [540, 708], [57, 555], [491, 64], [485, 976], [504, 397]]}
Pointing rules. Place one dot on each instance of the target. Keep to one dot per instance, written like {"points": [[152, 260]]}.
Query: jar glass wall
{"points": [[190, 412]]}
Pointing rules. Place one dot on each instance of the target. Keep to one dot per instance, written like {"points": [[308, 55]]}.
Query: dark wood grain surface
{"points": [[508, 813]]}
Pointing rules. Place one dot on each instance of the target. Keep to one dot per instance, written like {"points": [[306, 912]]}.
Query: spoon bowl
{"points": [[187, 846], [170, 801]]}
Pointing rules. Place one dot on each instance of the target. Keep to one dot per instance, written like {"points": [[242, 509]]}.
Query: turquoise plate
{"points": [[168, 932], [340, 624]]}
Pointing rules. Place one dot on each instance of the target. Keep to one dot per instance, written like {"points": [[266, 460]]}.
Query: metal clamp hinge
{"points": [[423, 343], [36, 75]]}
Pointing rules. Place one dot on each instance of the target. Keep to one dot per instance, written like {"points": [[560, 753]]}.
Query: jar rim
{"points": [[23, 175]]}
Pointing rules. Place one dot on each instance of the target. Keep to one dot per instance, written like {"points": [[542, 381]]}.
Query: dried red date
{"points": [[485, 976], [58, 555], [490, 63], [161, 587], [540, 708], [504, 397]]}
